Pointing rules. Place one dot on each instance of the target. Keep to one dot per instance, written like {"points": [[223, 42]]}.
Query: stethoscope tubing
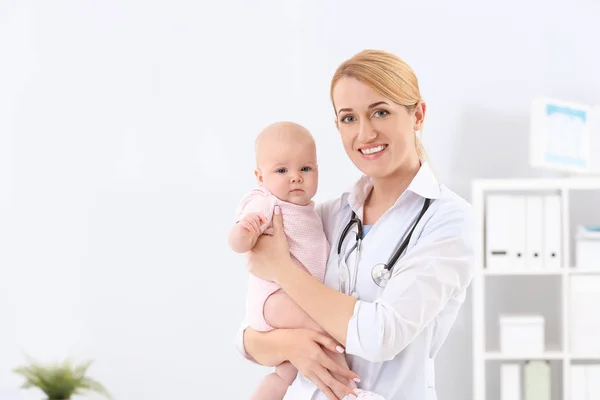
{"points": [[388, 267]]}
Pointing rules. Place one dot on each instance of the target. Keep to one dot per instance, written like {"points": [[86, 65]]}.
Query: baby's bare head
{"points": [[283, 140]]}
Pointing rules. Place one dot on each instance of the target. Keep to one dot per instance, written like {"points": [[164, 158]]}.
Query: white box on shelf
{"points": [[522, 334], [587, 248]]}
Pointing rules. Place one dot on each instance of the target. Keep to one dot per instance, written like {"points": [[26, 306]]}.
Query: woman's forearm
{"points": [[264, 347], [330, 309]]}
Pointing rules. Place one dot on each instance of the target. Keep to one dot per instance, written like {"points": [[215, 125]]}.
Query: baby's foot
{"points": [[365, 395]]}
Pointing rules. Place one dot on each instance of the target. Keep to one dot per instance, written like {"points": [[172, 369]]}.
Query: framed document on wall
{"points": [[561, 136]]}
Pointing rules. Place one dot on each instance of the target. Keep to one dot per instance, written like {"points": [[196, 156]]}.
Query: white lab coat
{"points": [[396, 332]]}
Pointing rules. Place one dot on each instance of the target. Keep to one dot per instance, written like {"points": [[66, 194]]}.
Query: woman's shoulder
{"points": [[452, 201], [327, 208], [451, 213], [329, 213]]}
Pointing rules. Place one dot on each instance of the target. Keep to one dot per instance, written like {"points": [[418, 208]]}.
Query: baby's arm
{"points": [[253, 216], [243, 235]]}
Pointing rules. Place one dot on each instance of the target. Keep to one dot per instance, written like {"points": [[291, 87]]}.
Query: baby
{"points": [[287, 175]]}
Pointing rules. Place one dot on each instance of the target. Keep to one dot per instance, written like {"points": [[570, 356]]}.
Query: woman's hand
{"points": [[306, 350], [270, 256]]}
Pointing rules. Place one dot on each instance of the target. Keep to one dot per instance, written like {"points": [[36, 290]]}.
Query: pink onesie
{"points": [[308, 246]]}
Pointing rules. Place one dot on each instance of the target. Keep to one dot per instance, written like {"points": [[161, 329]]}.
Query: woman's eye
{"points": [[381, 113], [348, 119]]}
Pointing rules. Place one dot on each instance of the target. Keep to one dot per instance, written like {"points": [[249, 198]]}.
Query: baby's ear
{"points": [[258, 175]]}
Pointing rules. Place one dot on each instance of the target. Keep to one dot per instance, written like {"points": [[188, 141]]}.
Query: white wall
{"points": [[119, 173]]}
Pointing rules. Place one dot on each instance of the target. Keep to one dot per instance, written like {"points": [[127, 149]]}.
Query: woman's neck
{"points": [[387, 190]]}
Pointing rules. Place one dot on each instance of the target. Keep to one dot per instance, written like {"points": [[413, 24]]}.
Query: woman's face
{"points": [[378, 134]]}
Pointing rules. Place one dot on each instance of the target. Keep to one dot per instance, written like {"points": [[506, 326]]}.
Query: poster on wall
{"points": [[561, 136]]}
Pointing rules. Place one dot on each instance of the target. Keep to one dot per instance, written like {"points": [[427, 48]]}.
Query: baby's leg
{"points": [[274, 386], [280, 311]]}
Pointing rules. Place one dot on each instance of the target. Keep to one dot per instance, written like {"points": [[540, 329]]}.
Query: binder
{"points": [[579, 388], [505, 232], [534, 258], [595, 139], [584, 299], [552, 232], [593, 381], [497, 232], [537, 380], [510, 382], [518, 232]]}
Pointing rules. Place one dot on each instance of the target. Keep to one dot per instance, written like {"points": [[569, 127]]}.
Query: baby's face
{"points": [[289, 170]]}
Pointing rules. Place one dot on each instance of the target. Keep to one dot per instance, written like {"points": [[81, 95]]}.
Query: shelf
{"points": [[584, 272], [585, 358], [522, 272], [531, 289], [533, 184], [549, 355], [538, 272]]}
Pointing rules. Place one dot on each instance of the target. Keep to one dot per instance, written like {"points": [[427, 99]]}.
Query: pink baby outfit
{"points": [[306, 239]]}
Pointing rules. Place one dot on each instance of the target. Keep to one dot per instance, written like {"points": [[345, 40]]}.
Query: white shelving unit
{"points": [[486, 358]]}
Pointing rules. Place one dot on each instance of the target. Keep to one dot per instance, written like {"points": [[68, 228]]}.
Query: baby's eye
{"points": [[306, 169], [281, 170]]}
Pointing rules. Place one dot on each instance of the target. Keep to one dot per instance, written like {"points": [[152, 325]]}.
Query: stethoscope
{"points": [[381, 273]]}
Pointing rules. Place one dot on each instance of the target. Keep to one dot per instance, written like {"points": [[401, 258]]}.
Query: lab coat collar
{"points": [[424, 184]]}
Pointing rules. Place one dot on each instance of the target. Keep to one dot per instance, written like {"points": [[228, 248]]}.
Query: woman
{"points": [[391, 331]]}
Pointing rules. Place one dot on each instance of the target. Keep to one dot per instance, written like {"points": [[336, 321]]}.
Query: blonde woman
{"points": [[390, 300]]}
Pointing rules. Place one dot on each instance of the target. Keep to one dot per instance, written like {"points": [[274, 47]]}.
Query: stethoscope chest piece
{"points": [[381, 275]]}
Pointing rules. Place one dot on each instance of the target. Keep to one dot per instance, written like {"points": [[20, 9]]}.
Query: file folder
{"points": [[505, 232], [579, 387], [537, 380], [535, 233], [552, 232], [510, 382], [595, 139], [593, 381], [584, 302]]}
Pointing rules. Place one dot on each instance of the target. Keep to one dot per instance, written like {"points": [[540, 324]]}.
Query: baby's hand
{"points": [[251, 223]]}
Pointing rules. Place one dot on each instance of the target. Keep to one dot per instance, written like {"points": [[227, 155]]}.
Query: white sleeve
{"points": [[239, 342], [438, 268]]}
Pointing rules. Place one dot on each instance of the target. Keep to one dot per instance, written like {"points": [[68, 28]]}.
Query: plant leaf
{"points": [[60, 381]]}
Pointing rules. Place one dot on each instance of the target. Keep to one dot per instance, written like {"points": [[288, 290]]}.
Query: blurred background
{"points": [[126, 140]]}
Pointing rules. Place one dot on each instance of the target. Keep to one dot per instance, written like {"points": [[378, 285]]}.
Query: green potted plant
{"points": [[60, 381]]}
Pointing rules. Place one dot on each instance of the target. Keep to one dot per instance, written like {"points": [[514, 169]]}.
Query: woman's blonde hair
{"points": [[389, 75]]}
